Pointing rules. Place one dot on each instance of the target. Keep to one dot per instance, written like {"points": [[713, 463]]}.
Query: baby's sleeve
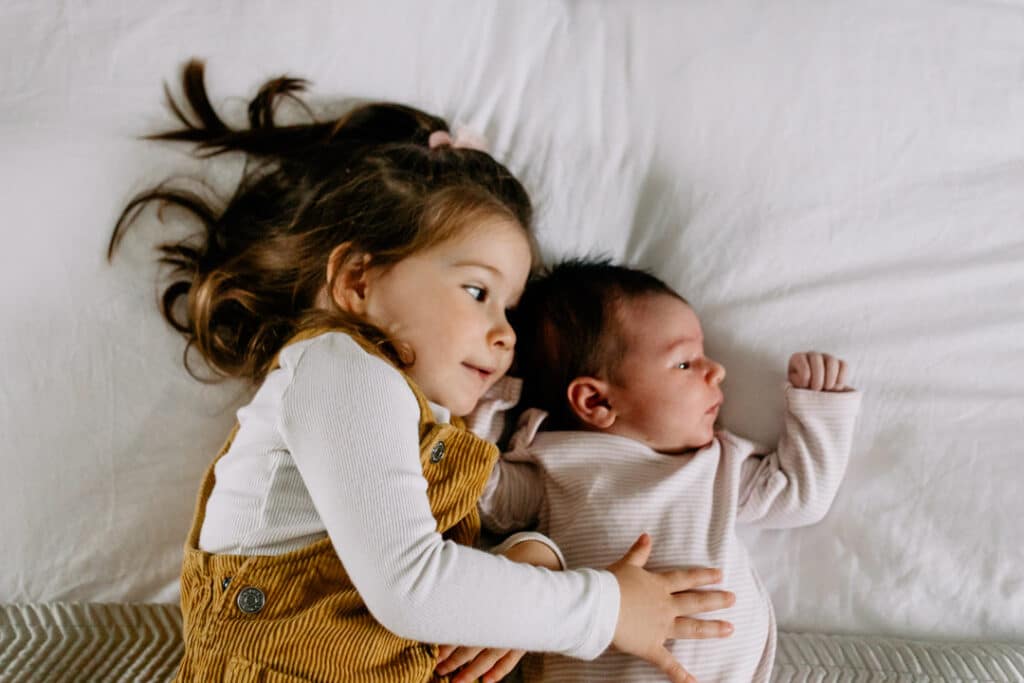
{"points": [[514, 494], [512, 497], [795, 484], [490, 416]]}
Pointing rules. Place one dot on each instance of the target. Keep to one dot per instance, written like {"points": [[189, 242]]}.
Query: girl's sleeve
{"points": [[351, 424], [795, 484]]}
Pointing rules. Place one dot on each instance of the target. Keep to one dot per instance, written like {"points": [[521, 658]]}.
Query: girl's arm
{"points": [[350, 422]]}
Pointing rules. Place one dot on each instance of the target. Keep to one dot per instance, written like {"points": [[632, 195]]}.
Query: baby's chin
{"points": [[689, 446]]}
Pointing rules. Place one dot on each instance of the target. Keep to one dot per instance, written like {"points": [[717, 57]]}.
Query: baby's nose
{"points": [[716, 372]]}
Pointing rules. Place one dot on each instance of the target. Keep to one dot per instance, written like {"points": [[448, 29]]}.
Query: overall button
{"points": [[251, 600], [437, 452]]}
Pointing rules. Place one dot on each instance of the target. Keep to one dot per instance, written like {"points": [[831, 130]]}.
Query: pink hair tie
{"points": [[438, 138], [464, 139]]}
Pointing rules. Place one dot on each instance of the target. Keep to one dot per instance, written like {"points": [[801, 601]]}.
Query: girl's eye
{"points": [[685, 365], [478, 293]]}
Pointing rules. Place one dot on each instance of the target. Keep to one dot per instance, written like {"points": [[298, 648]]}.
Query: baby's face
{"points": [[666, 391]]}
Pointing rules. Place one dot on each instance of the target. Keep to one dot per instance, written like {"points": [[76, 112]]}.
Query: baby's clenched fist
{"points": [[817, 371]]}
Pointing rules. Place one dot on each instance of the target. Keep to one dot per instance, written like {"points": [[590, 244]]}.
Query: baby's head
{"points": [[613, 349]]}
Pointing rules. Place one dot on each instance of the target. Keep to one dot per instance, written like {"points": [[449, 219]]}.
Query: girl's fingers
{"points": [[638, 553], [685, 627], [664, 660], [481, 664], [679, 580], [817, 371], [460, 656], [444, 651], [504, 666], [689, 603]]}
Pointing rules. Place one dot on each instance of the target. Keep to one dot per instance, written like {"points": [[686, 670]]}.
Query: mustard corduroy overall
{"points": [[297, 617]]}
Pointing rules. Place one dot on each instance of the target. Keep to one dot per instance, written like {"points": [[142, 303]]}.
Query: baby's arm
{"points": [[795, 484], [512, 497]]}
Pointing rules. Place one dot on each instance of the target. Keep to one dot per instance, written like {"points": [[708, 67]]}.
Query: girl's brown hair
{"points": [[249, 280]]}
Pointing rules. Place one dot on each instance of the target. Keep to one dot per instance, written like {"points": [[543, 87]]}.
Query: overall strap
{"points": [[206, 488]]}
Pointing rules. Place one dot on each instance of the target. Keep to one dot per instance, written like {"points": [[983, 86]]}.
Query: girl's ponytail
{"points": [[372, 124]]}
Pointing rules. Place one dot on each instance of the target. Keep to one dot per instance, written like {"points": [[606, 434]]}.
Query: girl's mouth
{"points": [[482, 373]]}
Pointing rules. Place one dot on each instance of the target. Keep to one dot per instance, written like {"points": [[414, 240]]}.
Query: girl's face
{"points": [[448, 303], [668, 394]]}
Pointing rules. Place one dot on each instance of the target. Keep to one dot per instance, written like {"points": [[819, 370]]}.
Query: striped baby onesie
{"points": [[595, 493]]}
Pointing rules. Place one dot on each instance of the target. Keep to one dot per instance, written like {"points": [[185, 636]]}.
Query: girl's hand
{"points": [[817, 372], [656, 607], [490, 664]]}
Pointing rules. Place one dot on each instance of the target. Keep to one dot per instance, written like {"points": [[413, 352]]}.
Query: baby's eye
{"points": [[685, 365], [478, 293]]}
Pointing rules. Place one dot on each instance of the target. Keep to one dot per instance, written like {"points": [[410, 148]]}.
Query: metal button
{"points": [[437, 452], [225, 583], [251, 600]]}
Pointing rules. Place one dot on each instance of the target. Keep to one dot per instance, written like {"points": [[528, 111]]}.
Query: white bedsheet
{"points": [[845, 176]]}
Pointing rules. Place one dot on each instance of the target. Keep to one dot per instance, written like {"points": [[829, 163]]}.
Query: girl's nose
{"points": [[502, 334]]}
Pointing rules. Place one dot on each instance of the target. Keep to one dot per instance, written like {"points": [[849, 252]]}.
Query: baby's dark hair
{"points": [[248, 281], [568, 325]]}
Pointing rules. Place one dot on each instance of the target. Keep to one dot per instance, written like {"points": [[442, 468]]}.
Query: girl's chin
{"points": [[461, 407]]}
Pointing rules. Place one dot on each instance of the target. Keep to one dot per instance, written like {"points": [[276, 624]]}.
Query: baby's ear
{"points": [[347, 278], [588, 398]]}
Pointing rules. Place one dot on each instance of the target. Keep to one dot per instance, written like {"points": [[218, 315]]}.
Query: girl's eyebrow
{"points": [[478, 264]]}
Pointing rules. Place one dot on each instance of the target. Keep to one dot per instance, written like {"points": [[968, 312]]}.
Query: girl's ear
{"points": [[588, 398], [348, 277]]}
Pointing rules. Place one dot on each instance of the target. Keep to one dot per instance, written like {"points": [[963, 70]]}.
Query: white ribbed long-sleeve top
{"points": [[330, 445], [594, 493]]}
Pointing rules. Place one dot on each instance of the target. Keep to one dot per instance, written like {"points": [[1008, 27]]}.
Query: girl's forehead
{"points": [[488, 229], [497, 243]]}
